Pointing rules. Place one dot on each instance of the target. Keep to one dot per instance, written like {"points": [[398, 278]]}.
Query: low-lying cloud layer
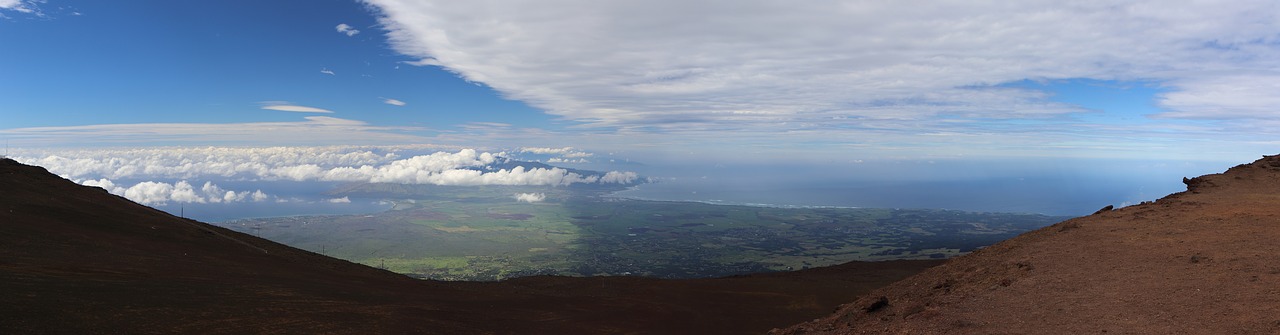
{"points": [[159, 193], [531, 197], [303, 164], [562, 155]]}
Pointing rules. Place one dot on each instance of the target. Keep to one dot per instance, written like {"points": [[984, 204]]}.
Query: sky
{"points": [[761, 82]]}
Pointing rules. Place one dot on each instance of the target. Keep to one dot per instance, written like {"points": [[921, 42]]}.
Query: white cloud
{"points": [[105, 184], [183, 192], [18, 6], [344, 164], [567, 154], [395, 102], [563, 160], [315, 130], [159, 193], [547, 151], [324, 71], [149, 192], [259, 196], [531, 197], [216, 194], [343, 28], [342, 200], [619, 177], [850, 71], [487, 125], [295, 108]]}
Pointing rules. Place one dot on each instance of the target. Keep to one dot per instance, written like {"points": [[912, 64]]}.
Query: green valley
{"points": [[485, 233]]}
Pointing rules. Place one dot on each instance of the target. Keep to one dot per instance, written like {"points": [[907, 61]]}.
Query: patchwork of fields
{"points": [[484, 233]]}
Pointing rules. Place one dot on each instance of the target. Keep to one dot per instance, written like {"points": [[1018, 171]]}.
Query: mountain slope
{"points": [[81, 260], [75, 259], [1201, 261]]}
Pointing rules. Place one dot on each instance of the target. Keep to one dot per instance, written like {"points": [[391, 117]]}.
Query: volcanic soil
{"points": [[1203, 261], [78, 260]]}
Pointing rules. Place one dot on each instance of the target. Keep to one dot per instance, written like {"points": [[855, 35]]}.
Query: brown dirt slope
{"points": [[77, 260], [1203, 261]]}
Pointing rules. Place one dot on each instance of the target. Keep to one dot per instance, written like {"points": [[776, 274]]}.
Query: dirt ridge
{"points": [[1202, 261]]}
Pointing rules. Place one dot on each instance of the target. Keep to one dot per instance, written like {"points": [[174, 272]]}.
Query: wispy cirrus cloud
{"points": [[565, 154], [393, 102], [19, 6], [864, 73], [764, 61], [313, 130], [548, 151], [286, 107]]}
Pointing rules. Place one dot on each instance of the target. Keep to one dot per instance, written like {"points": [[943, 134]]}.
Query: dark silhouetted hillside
{"points": [[77, 260]]}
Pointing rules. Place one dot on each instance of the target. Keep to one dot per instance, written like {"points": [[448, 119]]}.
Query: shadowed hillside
{"points": [[76, 259], [1203, 261]]}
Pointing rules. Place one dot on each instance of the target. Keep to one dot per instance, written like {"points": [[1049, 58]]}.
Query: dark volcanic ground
{"points": [[75, 259]]}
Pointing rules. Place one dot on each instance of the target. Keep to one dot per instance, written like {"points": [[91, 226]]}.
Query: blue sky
{"points": [[1182, 86], [87, 63], [663, 79]]}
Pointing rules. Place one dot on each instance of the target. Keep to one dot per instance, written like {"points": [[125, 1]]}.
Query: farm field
{"points": [[484, 233]]}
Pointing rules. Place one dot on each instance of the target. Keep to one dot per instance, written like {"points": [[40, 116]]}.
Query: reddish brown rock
{"points": [[1204, 261]]}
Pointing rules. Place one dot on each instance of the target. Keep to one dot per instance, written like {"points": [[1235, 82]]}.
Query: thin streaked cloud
{"points": [[293, 108]]}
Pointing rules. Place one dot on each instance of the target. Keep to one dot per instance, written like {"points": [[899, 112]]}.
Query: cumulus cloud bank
{"points": [[160, 193], [342, 164], [829, 64], [619, 177]]}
